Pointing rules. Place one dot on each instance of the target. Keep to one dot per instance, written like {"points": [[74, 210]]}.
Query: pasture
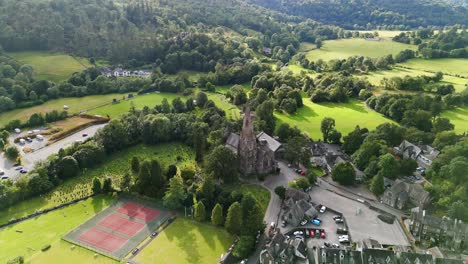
{"points": [[345, 48], [54, 67], [28, 237], [114, 167], [187, 241], [458, 117], [347, 116], [447, 65], [75, 104]]}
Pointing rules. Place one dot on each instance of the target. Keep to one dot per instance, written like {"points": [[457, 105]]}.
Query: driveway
{"points": [[29, 159]]}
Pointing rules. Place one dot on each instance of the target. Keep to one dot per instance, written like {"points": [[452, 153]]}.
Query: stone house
{"points": [[378, 256], [450, 233], [402, 194], [422, 154], [338, 256], [256, 152], [298, 211], [415, 258], [284, 250]]}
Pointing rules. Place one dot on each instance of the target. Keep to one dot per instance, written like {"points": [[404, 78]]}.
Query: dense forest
{"points": [[370, 14]]}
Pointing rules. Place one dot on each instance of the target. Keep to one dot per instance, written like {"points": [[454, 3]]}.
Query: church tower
{"points": [[247, 145]]}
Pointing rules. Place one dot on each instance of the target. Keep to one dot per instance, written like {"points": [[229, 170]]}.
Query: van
{"points": [[40, 137]]}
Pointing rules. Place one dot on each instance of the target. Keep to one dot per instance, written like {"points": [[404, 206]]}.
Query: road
{"points": [[29, 159]]}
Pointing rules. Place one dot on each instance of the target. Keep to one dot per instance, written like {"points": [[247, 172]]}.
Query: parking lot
{"points": [[329, 226], [362, 222]]}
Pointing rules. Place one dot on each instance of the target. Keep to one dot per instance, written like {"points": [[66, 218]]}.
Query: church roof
{"points": [[273, 144]]}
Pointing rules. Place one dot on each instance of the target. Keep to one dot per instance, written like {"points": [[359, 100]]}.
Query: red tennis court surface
{"points": [[121, 225], [102, 240], [139, 212]]}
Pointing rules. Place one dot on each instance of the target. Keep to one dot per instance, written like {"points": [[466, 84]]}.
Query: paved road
{"points": [[29, 159]]}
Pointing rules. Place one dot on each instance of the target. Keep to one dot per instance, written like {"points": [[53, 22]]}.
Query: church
{"points": [[256, 152]]}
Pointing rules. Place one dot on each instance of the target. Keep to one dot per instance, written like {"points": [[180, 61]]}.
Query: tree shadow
{"points": [[185, 239], [351, 104], [98, 203]]}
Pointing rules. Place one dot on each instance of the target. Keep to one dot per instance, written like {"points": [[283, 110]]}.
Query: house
{"points": [[402, 194], [267, 51], [256, 152], [296, 195], [298, 211], [415, 258], [282, 249], [378, 256], [422, 154], [368, 243], [450, 233], [338, 256], [448, 261]]}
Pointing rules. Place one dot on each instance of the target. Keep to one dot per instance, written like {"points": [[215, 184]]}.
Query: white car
{"points": [[298, 233], [2, 171], [343, 237], [303, 222], [322, 209]]}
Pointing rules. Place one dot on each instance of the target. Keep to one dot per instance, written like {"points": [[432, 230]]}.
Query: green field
{"points": [[151, 100], [187, 241], [458, 117], [347, 116], [344, 48], [376, 76], [385, 34], [76, 104], [450, 66], [115, 166], [261, 194], [28, 237], [54, 67]]}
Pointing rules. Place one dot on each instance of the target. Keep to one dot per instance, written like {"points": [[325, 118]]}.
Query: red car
{"points": [[322, 234], [312, 233], [302, 173]]}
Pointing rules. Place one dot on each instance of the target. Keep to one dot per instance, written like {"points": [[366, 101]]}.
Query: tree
{"points": [[97, 189], [311, 177], [377, 185], [264, 112], [234, 219], [113, 136], [297, 151], [150, 180], [200, 212], [445, 138], [244, 247], [442, 124], [300, 184], [407, 166], [344, 173], [285, 132], [135, 164], [327, 126], [107, 186], [354, 140], [252, 215], [334, 137], [388, 166], [171, 171], [126, 182], [67, 167], [222, 163], [178, 105], [318, 43], [175, 194], [281, 192], [12, 153], [458, 210], [217, 215], [201, 98], [289, 105]]}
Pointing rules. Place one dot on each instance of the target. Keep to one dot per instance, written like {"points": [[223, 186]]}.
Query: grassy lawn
{"points": [[446, 65], [346, 115], [261, 194], [458, 117], [28, 237], [76, 105], [187, 241], [344, 48], [385, 34], [115, 166], [54, 67]]}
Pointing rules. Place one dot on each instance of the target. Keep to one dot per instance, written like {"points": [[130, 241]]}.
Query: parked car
{"points": [[40, 137], [23, 171], [317, 233], [302, 173], [283, 223], [343, 240], [327, 244], [316, 222], [335, 245], [322, 234], [135, 251], [322, 209], [417, 177], [289, 165], [341, 231], [19, 168], [298, 233], [2, 172], [339, 221], [28, 139], [154, 234], [336, 217], [303, 222], [85, 135], [343, 236], [318, 219], [312, 233], [5, 178]]}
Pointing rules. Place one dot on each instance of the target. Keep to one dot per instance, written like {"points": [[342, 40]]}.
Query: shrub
{"points": [[45, 248]]}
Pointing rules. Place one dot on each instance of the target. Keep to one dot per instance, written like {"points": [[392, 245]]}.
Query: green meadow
{"points": [[458, 117], [28, 237], [187, 241], [54, 67], [345, 48], [347, 116], [447, 65]]}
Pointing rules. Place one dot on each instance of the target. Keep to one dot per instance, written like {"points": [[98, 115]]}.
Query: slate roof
{"points": [[448, 261], [272, 143], [415, 258], [404, 190], [233, 142], [339, 256], [378, 256], [296, 195]]}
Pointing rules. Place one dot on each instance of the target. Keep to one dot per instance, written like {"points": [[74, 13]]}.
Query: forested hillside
{"points": [[368, 14], [144, 30]]}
